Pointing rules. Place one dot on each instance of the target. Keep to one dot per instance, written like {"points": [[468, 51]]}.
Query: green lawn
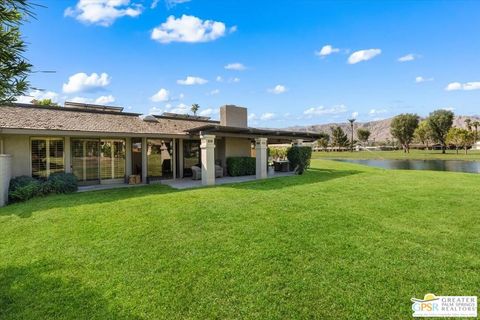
{"points": [[414, 154], [343, 241]]}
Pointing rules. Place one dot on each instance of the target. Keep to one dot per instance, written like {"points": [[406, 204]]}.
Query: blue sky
{"points": [[288, 62]]}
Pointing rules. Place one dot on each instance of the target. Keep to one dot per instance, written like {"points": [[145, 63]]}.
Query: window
{"points": [[86, 160], [112, 159], [47, 156], [159, 158], [191, 156]]}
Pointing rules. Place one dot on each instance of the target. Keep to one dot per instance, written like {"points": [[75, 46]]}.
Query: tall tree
{"points": [[476, 124], [195, 108], [460, 138], [14, 68], [423, 134], [339, 137], [323, 141], [468, 122], [440, 121], [403, 127], [44, 102], [351, 132], [363, 134]]}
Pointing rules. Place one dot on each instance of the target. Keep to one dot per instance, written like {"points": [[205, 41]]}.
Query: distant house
{"points": [[102, 145]]}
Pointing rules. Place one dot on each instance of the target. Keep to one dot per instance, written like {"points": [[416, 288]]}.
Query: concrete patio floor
{"points": [[187, 183]]}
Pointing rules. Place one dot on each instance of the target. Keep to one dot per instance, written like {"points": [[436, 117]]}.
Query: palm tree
{"points": [[468, 122], [351, 127], [476, 124], [195, 108]]}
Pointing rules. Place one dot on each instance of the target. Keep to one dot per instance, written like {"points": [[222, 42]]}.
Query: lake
{"points": [[435, 165]]}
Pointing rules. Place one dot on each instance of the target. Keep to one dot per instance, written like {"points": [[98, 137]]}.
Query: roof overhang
{"points": [[254, 133]]}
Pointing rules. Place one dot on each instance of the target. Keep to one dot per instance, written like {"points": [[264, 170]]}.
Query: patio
{"points": [[187, 183]]}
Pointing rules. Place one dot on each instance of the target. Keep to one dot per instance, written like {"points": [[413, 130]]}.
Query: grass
{"points": [[343, 241], [399, 154]]}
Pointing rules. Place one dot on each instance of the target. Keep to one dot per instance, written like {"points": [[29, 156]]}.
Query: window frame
{"points": [[47, 139]]}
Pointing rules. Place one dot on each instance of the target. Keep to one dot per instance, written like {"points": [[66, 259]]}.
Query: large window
{"points": [[47, 156], [112, 159], [191, 156], [86, 160], [159, 158]]}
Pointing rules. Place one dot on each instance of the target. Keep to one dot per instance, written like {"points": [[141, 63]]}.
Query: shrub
{"points": [[23, 188], [241, 166], [60, 183], [299, 158]]}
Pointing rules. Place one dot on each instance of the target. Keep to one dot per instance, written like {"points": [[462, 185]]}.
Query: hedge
{"points": [[241, 166], [299, 158], [24, 187]]}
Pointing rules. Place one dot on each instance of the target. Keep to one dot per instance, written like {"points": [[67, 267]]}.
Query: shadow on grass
{"points": [[31, 292], [313, 175], [25, 209]]}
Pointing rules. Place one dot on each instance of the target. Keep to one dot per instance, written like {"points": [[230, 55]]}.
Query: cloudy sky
{"points": [[289, 62]]}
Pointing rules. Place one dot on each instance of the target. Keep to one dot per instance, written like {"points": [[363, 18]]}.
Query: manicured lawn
{"points": [[414, 154], [342, 241]]}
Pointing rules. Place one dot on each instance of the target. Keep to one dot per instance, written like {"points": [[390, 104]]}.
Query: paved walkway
{"points": [[187, 183]]}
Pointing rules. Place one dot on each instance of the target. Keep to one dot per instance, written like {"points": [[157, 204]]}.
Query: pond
{"points": [[435, 165]]}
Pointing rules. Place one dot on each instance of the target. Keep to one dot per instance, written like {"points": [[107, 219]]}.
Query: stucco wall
{"points": [[237, 147], [18, 147]]}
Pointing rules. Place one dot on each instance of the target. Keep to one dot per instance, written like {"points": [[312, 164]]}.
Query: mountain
{"points": [[380, 129]]}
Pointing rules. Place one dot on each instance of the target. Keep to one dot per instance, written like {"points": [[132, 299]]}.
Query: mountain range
{"points": [[380, 129]]}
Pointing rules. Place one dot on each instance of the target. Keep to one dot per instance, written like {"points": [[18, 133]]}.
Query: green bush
{"points": [[241, 166], [61, 183], [299, 158], [23, 188]]}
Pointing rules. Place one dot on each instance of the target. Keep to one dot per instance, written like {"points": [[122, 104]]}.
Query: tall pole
{"points": [[351, 138]]}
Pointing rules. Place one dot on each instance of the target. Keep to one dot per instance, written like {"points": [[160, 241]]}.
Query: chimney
{"points": [[233, 116]]}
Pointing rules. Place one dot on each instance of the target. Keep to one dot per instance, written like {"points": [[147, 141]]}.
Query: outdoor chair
{"points": [[196, 173]]}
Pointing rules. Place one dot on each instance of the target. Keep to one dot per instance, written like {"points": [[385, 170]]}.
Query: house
{"points": [[105, 145]]}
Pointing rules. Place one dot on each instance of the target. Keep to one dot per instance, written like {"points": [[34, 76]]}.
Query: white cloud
{"points": [[374, 112], [234, 80], [467, 86], [105, 99], [190, 81], [161, 96], [180, 108], [38, 95], [188, 29], [354, 115], [408, 57], [320, 111], [278, 89], [326, 50], [235, 66], [155, 110], [363, 55], [103, 12], [213, 92], [267, 116], [421, 79], [209, 112], [173, 3], [80, 100], [219, 79], [252, 116], [81, 82]]}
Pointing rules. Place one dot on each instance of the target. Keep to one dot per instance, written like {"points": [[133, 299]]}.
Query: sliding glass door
{"points": [[112, 159], [191, 156], [86, 160], [159, 159]]}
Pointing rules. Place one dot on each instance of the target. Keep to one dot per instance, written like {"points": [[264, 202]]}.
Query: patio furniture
{"points": [[218, 171], [282, 165], [196, 173]]}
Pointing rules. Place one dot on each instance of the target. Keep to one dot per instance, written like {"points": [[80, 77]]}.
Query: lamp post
{"points": [[351, 127]]}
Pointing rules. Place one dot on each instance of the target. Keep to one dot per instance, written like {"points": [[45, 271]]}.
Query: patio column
{"points": [[180, 158], [298, 142], [68, 155], [208, 159], [144, 160], [128, 157], [261, 156]]}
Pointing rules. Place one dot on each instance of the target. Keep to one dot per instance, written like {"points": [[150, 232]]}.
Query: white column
{"points": [[5, 175], [297, 142], [67, 155], [208, 159], [261, 156], [144, 160], [174, 158], [180, 158], [128, 157]]}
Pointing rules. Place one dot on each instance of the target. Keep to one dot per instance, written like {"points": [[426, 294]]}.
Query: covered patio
{"points": [[208, 135]]}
